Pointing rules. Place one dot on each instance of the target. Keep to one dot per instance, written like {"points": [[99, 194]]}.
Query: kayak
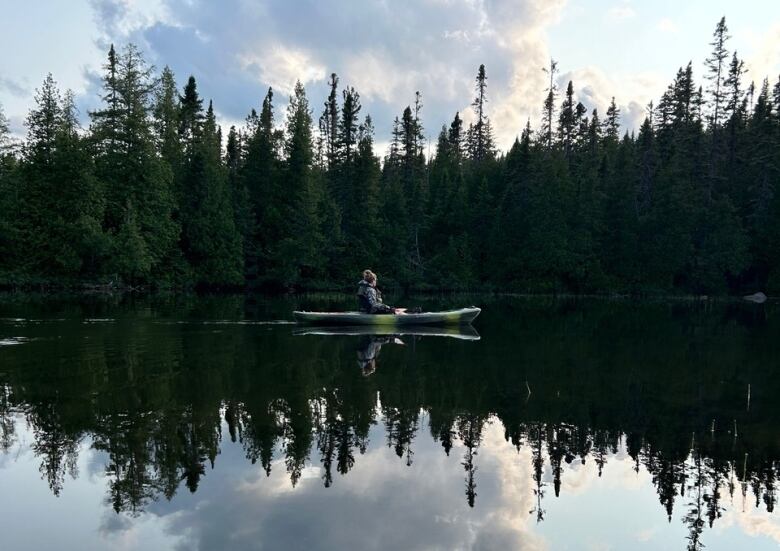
{"points": [[448, 317], [460, 332]]}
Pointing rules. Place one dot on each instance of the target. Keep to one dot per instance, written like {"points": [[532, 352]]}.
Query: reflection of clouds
{"points": [[748, 518], [383, 504], [760, 523], [646, 535], [508, 524], [380, 504]]}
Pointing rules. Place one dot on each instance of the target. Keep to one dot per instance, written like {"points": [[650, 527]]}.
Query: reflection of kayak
{"points": [[463, 332], [449, 317]]}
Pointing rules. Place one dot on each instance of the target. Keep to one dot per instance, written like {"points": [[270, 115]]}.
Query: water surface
{"points": [[211, 423]]}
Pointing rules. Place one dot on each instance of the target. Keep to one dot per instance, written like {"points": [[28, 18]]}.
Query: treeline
{"points": [[153, 194]]}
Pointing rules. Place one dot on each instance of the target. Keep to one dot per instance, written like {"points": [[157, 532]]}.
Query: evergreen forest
{"points": [[153, 193]]}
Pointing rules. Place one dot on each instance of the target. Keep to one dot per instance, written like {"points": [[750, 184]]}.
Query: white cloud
{"points": [[666, 25], [632, 92], [386, 50], [764, 59], [282, 67], [525, 44], [621, 12]]}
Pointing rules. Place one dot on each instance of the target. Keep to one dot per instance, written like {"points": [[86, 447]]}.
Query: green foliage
{"points": [[138, 182], [210, 241], [689, 204]]}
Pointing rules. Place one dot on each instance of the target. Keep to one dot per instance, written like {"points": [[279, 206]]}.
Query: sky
{"points": [[386, 50]]}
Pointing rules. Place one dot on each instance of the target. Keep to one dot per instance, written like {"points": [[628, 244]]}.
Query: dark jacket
{"points": [[370, 300]]}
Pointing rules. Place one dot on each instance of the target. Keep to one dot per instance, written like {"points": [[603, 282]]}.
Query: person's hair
{"points": [[369, 276]]}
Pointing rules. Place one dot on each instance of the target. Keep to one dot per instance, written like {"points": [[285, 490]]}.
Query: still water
{"points": [[211, 423]]}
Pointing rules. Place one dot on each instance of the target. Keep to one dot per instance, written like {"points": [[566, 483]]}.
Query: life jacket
{"points": [[363, 304]]}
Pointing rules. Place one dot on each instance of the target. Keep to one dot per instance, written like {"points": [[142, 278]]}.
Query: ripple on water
{"points": [[11, 341], [227, 322]]}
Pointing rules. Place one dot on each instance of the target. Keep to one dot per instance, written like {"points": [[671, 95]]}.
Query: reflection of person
{"points": [[368, 352], [370, 298]]}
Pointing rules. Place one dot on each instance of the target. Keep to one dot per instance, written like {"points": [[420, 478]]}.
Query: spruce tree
{"points": [[211, 243], [480, 138], [8, 199], [361, 215], [260, 173], [166, 122], [567, 122], [549, 104], [455, 139], [300, 258], [716, 72], [61, 202], [138, 183], [612, 123], [5, 139], [238, 192]]}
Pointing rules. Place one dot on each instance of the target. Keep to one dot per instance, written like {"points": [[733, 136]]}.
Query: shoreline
{"points": [[142, 291]]}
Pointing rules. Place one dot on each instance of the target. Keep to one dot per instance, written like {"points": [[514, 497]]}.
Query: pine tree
{"points": [[167, 118], [61, 203], [549, 104], [190, 116], [238, 192], [455, 139], [300, 259], [329, 122], [612, 123], [260, 173], [567, 122], [347, 135], [361, 213], [134, 176], [8, 198], [716, 67], [620, 235], [480, 137], [211, 243], [5, 140]]}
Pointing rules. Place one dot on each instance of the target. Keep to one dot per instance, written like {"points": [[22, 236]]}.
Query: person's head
{"points": [[370, 277]]}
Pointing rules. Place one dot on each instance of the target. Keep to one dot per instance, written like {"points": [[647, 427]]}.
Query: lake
{"points": [[213, 423]]}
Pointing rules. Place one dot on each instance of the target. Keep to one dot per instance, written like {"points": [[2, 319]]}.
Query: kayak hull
{"points": [[449, 317], [463, 332]]}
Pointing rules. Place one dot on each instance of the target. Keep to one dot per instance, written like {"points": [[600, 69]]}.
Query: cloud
{"points": [[236, 49], [666, 25], [282, 67], [621, 12], [632, 92], [378, 495], [764, 61], [525, 45], [387, 51], [14, 87]]}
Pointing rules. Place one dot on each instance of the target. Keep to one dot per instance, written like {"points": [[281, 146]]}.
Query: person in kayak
{"points": [[370, 298]]}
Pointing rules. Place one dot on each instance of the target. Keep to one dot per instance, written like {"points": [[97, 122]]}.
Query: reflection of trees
{"points": [[469, 430], [154, 399], [57, 448], [7, 425], [536, 441]]}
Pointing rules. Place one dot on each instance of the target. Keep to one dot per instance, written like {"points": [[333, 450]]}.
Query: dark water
{"points": [[201, 424]]}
